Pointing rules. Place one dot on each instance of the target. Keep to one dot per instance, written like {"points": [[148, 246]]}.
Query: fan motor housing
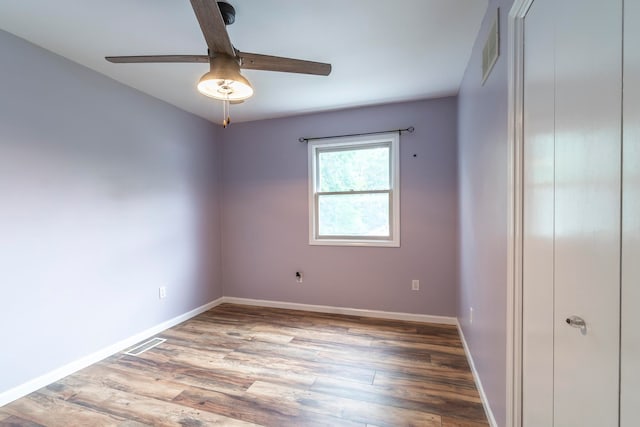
{"points": [[228, 12]]}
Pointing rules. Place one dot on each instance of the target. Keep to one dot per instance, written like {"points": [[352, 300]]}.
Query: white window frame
{"points": [[392, 140]]}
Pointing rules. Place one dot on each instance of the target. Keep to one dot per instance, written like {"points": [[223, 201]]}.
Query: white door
{"points": [[572, 213]]}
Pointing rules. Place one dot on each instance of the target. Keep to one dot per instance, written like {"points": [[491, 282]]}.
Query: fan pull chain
{"points": [[225, 112]]}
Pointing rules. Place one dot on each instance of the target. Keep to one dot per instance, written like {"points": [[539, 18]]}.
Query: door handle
{"points": [[576, 322]]}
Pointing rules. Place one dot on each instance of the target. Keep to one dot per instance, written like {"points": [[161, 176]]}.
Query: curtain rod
{"points": [[410, 129]]}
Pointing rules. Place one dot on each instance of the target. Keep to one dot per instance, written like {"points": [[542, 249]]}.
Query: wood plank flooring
{"points": [[244, 366]]}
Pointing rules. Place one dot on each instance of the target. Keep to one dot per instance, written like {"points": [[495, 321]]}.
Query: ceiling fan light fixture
{"points": [[224, 81]]}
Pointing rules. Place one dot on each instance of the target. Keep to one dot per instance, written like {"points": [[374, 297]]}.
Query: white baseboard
{"points": [[476, 377], [343, 310], [57, 374]]}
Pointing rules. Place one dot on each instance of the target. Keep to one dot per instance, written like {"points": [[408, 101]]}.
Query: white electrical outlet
{"points": [[162, 292], [415, 285], [471, 315]]}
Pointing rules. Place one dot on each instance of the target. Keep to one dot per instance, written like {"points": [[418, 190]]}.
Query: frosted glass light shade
{"points": [[224, 81]]}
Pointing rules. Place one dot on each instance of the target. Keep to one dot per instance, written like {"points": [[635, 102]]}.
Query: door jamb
{"points": [[515, 70]]}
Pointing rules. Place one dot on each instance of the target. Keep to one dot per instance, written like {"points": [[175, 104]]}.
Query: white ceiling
{"points": [[381, 50]]}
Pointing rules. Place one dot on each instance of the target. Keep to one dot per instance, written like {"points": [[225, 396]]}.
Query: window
{"points": [[354, 191]]}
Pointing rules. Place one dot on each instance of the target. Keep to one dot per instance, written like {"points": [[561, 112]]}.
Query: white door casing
{"points": [[630, 335]]}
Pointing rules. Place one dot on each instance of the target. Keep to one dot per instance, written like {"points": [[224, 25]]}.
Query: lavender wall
{"points": [[482, 177], [265, 214], [104, 195]]}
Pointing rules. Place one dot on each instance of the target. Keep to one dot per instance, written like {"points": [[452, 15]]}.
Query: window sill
{"points": [[361, 243]]}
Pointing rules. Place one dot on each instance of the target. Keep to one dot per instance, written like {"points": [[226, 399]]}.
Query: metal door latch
{"points": [[576, 322]]}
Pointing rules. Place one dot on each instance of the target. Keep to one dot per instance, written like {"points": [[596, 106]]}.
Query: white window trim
{"points": [[384, 138]]}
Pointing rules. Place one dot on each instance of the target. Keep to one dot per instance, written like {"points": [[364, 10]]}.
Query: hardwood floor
{"points": [[240, 366]]}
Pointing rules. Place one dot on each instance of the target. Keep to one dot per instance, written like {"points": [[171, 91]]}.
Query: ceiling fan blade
{"points": [[157, 58], [254, 61], [212, 26]]}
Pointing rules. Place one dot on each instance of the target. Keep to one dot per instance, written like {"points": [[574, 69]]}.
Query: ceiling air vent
{"points": [[141, 348], [491, 49]]}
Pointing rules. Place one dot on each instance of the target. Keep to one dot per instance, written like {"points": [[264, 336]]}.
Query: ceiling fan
{"points": [[224, 81]]}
